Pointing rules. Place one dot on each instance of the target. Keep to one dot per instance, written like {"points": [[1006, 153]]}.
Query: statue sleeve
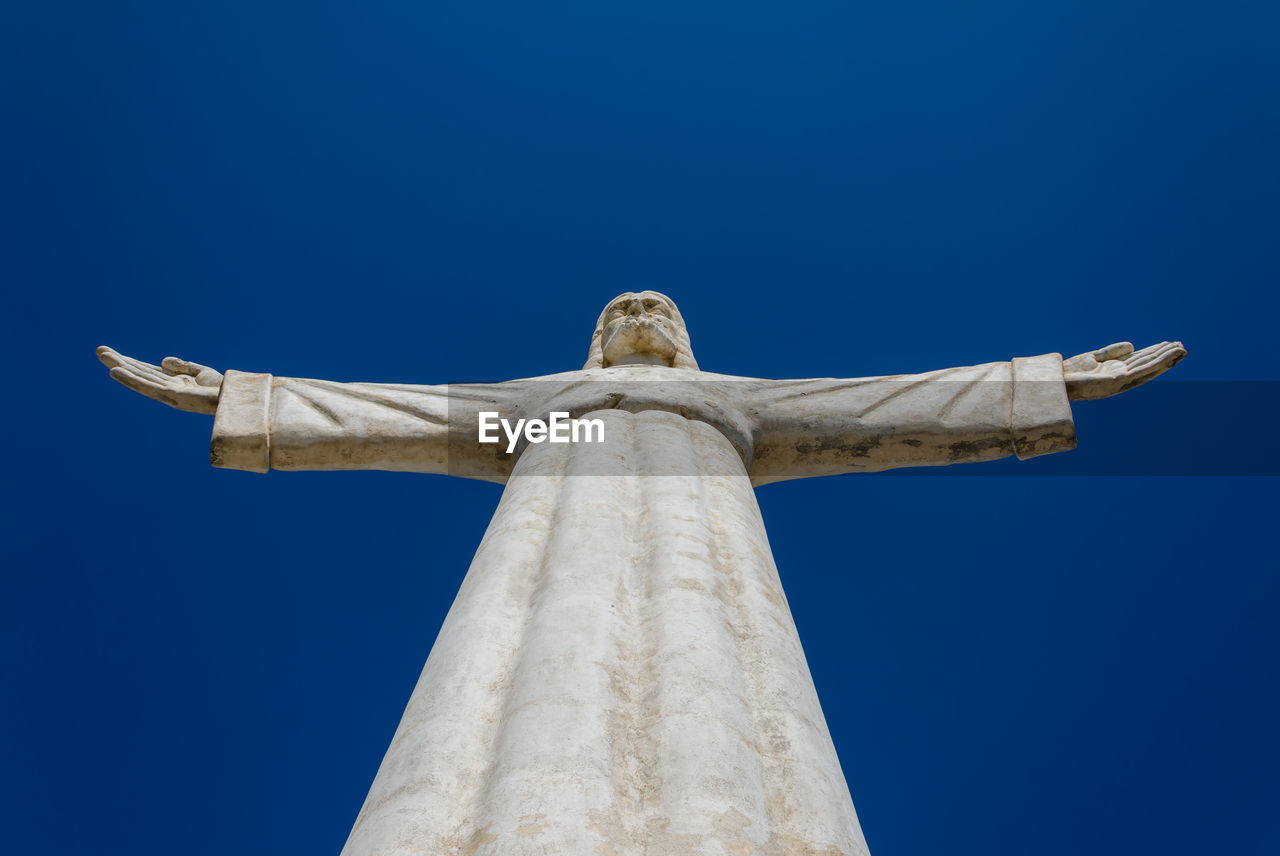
{"points": [[265, 422], [973, 413]]}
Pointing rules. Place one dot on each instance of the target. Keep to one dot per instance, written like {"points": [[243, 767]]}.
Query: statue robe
{"points": [[620, 673]]}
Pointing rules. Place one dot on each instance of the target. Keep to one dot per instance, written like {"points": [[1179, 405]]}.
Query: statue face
{"points": [[639, 329]]}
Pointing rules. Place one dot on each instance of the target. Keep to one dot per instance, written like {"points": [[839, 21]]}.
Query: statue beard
{"points": [[638, 336]]}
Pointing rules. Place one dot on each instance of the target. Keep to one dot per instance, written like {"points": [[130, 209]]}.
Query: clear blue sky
{"points": [[203, 662]]}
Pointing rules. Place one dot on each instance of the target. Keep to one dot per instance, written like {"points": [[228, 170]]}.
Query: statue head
{"points": [[640, 328]]}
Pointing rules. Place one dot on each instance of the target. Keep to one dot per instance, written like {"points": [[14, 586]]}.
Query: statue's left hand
{"points": [[177, 383], [1111, 370]]}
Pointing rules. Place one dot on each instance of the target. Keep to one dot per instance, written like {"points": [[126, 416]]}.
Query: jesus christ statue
{"points": [[620, 673]]}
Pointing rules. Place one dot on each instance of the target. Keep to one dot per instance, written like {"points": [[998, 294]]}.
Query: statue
{"points": [[620, 672]]}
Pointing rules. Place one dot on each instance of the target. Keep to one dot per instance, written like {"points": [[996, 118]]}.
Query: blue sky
{"points": [[202, 661]]}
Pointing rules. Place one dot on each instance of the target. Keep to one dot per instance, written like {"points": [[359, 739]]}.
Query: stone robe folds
{"points": [[620, 673]]}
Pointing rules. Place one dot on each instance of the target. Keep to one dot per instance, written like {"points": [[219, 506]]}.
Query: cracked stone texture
{"points": [[620, 673]]}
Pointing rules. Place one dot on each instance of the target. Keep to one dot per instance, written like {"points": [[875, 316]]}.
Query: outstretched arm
{"points": [[263, 422], [975, 413]]}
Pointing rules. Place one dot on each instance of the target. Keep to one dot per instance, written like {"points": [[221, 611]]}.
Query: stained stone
{"points": [[620, 672]]}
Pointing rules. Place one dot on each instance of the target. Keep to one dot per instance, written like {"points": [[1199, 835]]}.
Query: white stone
{"points": [[620, 673]]}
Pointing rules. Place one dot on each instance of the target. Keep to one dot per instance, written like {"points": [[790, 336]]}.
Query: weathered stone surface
{"points": [[620, 673]]}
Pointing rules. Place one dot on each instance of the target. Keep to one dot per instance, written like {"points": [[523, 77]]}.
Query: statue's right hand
{"points": [[178, 383]]}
